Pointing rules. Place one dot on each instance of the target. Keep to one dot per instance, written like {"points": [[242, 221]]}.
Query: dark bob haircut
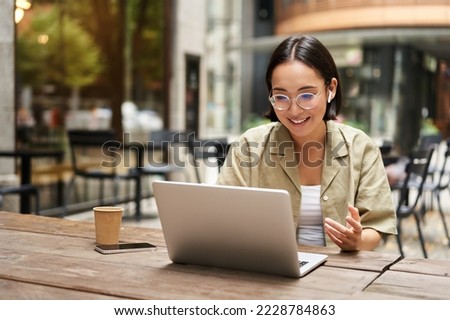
{"points": [[315, 55]]}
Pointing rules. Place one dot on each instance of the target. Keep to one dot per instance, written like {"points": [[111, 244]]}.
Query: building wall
{"points": [[381, 48], [247, 66], [207, 30], [7, 98], [322, 15], [218, 15], [443, 100], [7, 114], [189, 39], [223, 67]]}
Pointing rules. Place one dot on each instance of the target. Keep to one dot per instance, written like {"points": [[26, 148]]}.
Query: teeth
{"points": [[298, 121]]}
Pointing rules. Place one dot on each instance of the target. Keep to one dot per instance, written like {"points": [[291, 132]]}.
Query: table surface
{"points": [[53, 258]]}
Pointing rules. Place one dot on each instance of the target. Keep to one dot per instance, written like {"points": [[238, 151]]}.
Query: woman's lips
{"points": [[299, 121]]}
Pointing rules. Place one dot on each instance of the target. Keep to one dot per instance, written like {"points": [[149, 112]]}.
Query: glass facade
{"points": [[392, 59], [391, 71]]}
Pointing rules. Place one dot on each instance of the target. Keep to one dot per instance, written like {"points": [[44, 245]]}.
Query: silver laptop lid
{"points": [[231, 227]]}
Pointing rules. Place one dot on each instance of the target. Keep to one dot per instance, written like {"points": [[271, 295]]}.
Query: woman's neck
{"points": [[316, 139]]}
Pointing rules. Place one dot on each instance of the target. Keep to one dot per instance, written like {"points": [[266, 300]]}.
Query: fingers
{"points": [[354, 213], [353, 219], [336, 231], [354, 225], [334, 238], [346, 237], [339, 238], [334, 225], [331, 228]]}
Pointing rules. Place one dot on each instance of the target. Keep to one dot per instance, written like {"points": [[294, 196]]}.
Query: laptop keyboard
{"points": [[302, 263]]}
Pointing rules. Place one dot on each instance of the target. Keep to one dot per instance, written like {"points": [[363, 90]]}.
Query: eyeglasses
{"points": [[305, 100]]}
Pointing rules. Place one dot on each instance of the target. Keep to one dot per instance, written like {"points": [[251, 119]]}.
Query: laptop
{"points": [[249, 229]]}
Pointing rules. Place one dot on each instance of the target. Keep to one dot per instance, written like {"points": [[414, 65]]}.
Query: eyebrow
{"points": [[299, 89]]}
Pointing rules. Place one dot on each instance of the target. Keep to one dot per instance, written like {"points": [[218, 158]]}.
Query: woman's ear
{"points": [[332, 88]]}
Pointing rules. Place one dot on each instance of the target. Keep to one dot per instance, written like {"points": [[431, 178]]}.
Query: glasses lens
{"points": [[307, 100], [280, 101]]}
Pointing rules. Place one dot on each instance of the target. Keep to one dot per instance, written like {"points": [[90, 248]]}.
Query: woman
{"points": [[339, 190]]}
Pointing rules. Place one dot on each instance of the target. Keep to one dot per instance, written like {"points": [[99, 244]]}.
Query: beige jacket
{"points": [[353, 172]]}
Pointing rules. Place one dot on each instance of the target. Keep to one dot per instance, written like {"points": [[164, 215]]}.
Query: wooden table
{"points": [[53, 258]]}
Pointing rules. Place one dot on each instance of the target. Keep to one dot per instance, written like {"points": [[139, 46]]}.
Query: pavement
{"points": [[436, 243]]}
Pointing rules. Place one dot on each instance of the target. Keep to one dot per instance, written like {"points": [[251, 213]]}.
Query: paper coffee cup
{"points": [[107, 224]]}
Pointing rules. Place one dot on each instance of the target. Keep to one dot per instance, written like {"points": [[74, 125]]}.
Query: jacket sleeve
{"points": [[373, 196], [234, 171]]}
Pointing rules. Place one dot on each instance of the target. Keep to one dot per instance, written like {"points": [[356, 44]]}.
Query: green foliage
{"points": [[119, 43], [144, 27], [147, 28], [32, 56], [254, 120], [144, 35], [52, 52], [428, 127], [357, 125]]}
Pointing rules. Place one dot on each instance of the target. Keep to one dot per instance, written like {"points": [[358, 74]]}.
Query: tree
{"points": [[51, 52], [130, 37]]}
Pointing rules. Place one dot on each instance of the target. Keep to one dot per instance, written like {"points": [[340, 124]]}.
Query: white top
{"points": [[310, 228]]}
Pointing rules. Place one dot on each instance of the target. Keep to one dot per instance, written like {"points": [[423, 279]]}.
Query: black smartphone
{"points": [[124, 247]]}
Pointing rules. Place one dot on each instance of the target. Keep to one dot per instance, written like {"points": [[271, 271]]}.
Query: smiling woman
{"points": [[339, 190]]}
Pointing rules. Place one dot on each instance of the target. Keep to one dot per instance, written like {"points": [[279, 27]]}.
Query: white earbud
{"points": [[329, 96]]}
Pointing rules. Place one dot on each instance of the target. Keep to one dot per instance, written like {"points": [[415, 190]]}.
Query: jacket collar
{"points": [[336, 152]]}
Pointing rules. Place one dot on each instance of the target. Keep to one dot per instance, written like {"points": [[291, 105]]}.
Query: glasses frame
{"points": [[272, 102]]}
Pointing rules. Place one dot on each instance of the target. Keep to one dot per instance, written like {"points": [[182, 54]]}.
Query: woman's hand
{"points": [[351, 236]]}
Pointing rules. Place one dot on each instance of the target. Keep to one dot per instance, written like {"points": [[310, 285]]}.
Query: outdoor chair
{"points": [[203, 150], [164, 155], [431, 141], [410, 200], [21, 190], [442, 184], [425, 142], [96, 155]]}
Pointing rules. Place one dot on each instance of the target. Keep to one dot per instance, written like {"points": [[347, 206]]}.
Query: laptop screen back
{"points": [[240, 228]]}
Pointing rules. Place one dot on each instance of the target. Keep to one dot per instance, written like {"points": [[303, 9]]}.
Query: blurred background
{"points": [[198, 66]]}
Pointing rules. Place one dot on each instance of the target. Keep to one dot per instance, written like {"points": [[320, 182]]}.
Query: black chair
{"points": [[202, 150], [442, 184], [163, 155], [426, 141], [22, 189], [430, 141], [416, 173], [97, 155]]}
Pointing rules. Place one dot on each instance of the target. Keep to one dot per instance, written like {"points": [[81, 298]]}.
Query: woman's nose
{"points": [[294, 108]]}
